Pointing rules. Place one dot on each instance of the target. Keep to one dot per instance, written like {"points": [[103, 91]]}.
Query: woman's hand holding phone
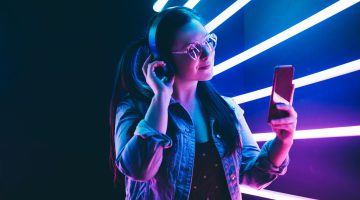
{"points": [[282, 117], [163, 86], [285, 127]]}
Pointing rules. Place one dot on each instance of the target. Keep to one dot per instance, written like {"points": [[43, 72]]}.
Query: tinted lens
{"points": [[211, 41], [195, 51]]}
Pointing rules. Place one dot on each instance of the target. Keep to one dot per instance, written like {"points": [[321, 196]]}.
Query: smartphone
{"points": [[282, 90]]}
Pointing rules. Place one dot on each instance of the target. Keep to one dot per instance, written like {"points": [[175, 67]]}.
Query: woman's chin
{"points": [[205, 74], [206, 77]]}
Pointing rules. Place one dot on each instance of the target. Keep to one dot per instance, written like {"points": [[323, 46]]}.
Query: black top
{"points": [[208, 181]]}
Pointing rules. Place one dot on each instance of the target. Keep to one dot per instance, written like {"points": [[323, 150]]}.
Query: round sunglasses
{"points": [[194, 50]]}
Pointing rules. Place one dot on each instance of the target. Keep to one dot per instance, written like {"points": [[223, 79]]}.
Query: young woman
{"points": [[174, 135]]}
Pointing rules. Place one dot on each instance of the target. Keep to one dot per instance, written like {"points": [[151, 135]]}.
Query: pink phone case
{"points": [[282, 90]]}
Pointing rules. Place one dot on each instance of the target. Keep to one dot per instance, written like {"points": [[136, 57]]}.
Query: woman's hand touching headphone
{"points": [[162, 86]]}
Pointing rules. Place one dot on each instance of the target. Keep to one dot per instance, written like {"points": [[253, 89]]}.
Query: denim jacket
{"points": [[159, 166]]}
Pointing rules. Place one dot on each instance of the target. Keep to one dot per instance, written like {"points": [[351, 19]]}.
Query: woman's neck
{"points": [[185, 93]]}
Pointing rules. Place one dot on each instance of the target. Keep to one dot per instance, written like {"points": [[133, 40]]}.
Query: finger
{"points": [[287, 127], [146, 63], [148, 59], [281, 125], [285, 120], [284, 126], [172, 80], [143, 70], [287, 108], [153, 65], [284, 131]]}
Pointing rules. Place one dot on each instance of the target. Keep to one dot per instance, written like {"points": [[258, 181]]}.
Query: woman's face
{"points": [[187, 68]]}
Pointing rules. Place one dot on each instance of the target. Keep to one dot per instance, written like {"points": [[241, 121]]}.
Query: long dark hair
{"points": [[130, 79]]}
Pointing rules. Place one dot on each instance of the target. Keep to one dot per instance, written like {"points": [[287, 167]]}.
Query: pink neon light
{"points": [[315, 133], [269, 194]]}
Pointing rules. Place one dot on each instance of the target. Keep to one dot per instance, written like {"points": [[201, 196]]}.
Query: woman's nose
{"points": [[205, 52]]}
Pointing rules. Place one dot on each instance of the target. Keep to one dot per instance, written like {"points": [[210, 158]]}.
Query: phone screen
{"points": [[282, 90]]}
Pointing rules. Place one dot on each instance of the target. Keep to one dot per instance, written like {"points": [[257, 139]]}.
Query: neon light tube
{"points": [[226, 14], [191, 3], [159, 5], [306, 80], [288, 33], [314, 133], [270, 194]]}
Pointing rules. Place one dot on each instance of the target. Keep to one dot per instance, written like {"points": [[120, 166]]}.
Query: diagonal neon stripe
{"points": [[191, 3], [226, 14], [159, 5], [306, 80], [288, 33], [314, 133], [270, 194]]}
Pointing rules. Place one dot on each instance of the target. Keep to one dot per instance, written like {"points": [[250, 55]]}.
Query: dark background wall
{"points": [[58, 62]]}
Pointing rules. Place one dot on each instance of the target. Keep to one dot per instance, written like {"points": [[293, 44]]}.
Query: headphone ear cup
{"points": [[166, 71], [170, 70], [160, 72]]}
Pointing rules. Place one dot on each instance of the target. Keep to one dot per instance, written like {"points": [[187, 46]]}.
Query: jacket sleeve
{"points": [[256, 169], [139, 147]]}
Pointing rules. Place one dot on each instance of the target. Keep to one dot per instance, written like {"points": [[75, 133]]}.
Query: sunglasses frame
{"points": [[187, 51]]}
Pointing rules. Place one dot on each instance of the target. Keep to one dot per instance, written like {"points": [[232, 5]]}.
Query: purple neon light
{"points": [[315, 133], [270, 194]]}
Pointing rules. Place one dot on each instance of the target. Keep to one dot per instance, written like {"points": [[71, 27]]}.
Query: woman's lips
{"points": [[204, 67]]}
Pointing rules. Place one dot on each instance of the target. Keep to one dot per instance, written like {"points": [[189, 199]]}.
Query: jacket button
{"points": [[218, 136], [232, 177]]}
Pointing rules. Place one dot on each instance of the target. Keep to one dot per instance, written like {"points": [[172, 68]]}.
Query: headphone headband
{"points": [[154, 27], [152, 36]]}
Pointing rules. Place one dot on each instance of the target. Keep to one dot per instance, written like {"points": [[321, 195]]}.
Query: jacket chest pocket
{"points": [[172, 156]]}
